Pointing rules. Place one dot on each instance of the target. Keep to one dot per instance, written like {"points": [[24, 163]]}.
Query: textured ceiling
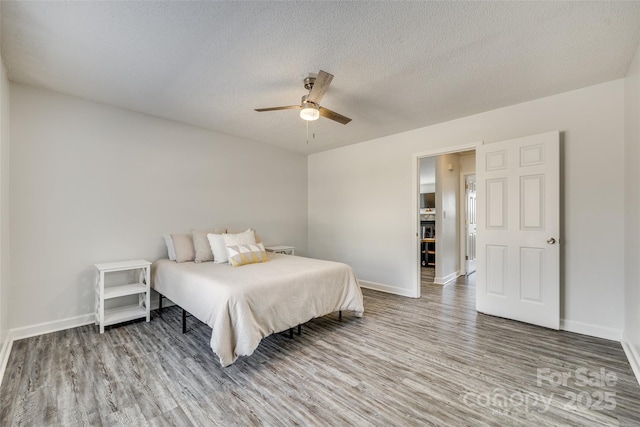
{"points": [[397, 65]]}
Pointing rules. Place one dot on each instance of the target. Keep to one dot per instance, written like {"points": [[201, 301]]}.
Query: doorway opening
{"points": [[441, 214]]}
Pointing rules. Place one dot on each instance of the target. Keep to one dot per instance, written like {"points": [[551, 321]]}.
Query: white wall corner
{"points": [[388, 289], [591, 330], [4, 355], [632, 354]]}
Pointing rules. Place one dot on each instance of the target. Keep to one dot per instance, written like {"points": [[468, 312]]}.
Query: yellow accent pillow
{"points": [[246, 254]]}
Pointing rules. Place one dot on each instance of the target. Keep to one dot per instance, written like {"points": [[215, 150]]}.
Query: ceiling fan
{"points": [[310, 108]]}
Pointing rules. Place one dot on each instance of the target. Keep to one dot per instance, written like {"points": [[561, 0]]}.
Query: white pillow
{"points": [[171, 250], [218, 248], [245, 238], [255, 233]]}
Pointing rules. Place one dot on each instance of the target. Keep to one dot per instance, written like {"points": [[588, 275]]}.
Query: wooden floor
{"points": [[407, 362]]}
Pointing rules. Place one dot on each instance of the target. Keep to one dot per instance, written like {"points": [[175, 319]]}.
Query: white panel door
{"points": [[518, 222]]}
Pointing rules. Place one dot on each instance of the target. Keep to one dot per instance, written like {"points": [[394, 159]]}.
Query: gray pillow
{"points": [[201, 244], [183, 245]]}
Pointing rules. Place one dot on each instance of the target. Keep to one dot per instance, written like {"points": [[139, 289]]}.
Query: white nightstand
{"points": [[141, 288], [287, 250]]}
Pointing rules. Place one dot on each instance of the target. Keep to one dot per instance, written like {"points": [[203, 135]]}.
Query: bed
{"points": [[244, 304]]}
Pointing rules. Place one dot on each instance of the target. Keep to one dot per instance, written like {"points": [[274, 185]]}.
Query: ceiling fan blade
{"points": [[320, 86], [325, 112], [288, 107]]}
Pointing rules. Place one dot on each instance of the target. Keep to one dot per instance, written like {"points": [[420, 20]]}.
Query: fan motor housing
{"points": [[309, 81]]}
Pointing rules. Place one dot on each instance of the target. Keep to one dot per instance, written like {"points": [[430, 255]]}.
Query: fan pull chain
{"points": [[313, 130]]}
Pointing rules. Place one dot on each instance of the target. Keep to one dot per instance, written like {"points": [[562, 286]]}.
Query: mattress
{"points": [[244, 304]]}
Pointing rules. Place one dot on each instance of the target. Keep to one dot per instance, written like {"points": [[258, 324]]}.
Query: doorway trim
{"points": [[463, 219], [415, 195]]}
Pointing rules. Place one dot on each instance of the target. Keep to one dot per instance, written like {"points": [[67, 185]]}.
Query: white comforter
{"points": [[245, 304]]}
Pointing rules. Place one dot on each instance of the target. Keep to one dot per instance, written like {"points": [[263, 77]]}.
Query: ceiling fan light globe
{"points": [[309, 114]]}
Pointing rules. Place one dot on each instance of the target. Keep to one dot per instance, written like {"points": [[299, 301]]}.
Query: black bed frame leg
{"points": [[290, 333], [160, 303], [184, 321], [340, 315], [299, 329]]}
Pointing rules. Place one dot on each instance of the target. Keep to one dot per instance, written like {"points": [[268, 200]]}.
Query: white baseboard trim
{"points": [[632, 355], [53, 326], [4, 355], [60, 325], [388, 289], [591, 330], [446, 279]]}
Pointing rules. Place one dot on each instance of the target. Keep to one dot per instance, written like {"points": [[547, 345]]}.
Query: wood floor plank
{"points": [[174, 417], [427, 361]]}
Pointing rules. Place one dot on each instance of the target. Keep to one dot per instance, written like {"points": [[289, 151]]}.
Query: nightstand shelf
{"points": [[123, 314], [104, 316], [281, 249], [121, 291]]}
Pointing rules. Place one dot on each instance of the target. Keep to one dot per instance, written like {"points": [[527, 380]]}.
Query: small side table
{"points": [[141, 288], [287, 250]]}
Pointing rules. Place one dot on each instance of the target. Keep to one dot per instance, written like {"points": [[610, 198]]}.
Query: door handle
{"points": [[551, 241]]}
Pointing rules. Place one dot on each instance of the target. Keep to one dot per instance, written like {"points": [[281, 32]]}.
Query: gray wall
{"points": [[632, 212], [361, 197], [447, 217], [92, 183], [4, 208]]}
